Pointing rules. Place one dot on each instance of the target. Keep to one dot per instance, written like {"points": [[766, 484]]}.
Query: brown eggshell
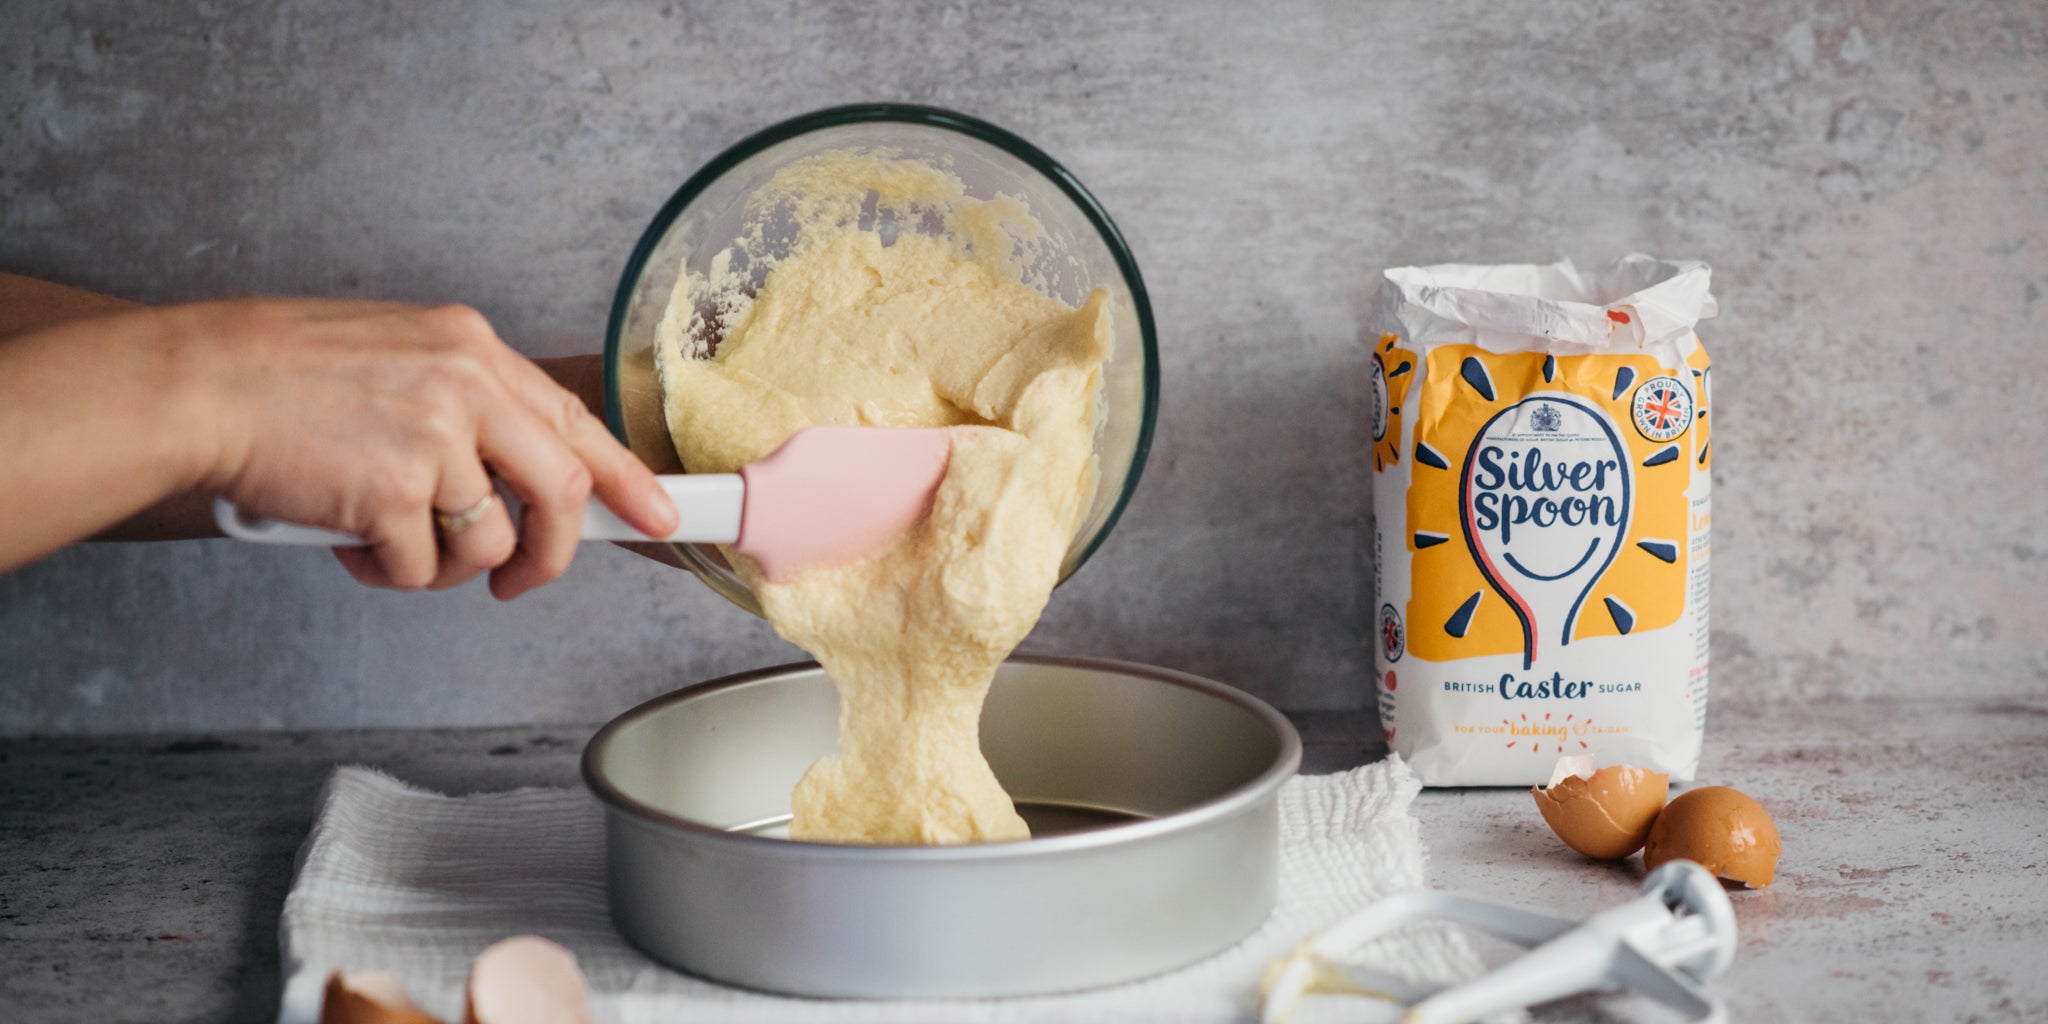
{"points": [[369, 997], [1607, 816], [526, 980], [1723, 830]]}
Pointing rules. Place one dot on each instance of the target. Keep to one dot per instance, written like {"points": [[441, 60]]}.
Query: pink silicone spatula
{"points": [[829, 496]]}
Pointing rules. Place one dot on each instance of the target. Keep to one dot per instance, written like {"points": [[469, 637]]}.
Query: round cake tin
{"points": [[1153, 798]]}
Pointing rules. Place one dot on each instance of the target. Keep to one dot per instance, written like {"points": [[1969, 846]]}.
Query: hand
{"points": [[584, 377], [370, 417]]}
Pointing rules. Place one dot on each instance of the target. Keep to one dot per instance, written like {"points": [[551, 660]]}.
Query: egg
{"points": [[526, 980], [369, 997], [1606, 816], [1723, 830], [523, 980]]}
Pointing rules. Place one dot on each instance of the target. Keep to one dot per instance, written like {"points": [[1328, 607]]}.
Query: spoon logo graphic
{"points": [[1545, 501]]}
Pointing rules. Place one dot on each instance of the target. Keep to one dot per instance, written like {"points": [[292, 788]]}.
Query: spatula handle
{"points": [[708, 506]]}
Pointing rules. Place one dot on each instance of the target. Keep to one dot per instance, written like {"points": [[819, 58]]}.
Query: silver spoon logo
{"points": [[1545, 503]]}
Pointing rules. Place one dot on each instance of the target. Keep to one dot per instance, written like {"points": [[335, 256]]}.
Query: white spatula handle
{"points": [[708, 509], [708, 506]]}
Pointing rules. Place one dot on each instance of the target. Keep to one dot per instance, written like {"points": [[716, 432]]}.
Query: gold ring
{"points": [[452, 523]]}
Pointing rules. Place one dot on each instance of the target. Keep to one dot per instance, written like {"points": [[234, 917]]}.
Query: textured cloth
{"points": [[397, 879]]}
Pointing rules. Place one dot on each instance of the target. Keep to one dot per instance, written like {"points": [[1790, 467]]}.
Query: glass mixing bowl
{"points": [[1082, 250]]}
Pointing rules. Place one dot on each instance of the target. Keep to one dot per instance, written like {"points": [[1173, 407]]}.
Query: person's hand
{"points": [[583, 375], [370, 418]]}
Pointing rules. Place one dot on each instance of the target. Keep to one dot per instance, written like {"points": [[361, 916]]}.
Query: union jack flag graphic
{"points": [[1393, 638], [1663, 408]]}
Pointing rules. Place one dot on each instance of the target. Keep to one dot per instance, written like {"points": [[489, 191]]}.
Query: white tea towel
{"points": [[397, 879]]}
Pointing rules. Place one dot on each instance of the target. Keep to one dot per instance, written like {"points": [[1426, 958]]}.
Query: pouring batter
{"points": [[901, 303]]}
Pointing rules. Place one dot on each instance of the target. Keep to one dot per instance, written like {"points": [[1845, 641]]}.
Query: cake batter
{"points": [[902, 302]]}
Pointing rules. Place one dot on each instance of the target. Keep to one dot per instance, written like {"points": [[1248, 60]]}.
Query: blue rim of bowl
{"points": [[936, 117]]}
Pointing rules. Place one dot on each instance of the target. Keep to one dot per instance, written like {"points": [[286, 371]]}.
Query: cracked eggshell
{"points": [[369, 997], [526, 980], [1722, 829], [1607, 816]]}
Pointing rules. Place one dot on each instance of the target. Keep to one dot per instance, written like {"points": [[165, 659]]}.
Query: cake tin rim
{"points": [[1238, 799]]}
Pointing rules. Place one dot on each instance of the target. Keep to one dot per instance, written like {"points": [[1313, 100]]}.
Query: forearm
{"points": [[101, 419], [27, 304]]}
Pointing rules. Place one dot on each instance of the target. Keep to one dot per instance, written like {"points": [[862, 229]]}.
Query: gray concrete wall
{"points": [[1868, 180]]}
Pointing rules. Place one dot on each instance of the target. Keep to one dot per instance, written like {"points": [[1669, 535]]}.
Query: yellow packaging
{"points": [[1542, 476]]}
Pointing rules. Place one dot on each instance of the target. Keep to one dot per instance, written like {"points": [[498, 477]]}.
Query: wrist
{"points": [[184, 359], [101, 418]]}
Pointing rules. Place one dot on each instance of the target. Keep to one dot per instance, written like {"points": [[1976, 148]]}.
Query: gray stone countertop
{"points": [[141, 877]]}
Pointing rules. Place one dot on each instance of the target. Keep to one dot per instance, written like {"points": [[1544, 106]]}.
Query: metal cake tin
{"points": [[1153, 798]]}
